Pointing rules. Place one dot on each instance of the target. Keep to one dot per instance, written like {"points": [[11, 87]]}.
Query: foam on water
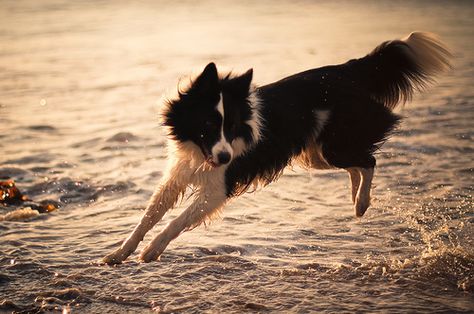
{"points": [[20, 214]]}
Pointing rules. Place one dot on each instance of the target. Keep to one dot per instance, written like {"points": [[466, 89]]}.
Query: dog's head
{"points": [[216, 115]]}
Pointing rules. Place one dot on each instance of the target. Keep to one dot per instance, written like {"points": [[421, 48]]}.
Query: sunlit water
{"points": [[79, 89]]}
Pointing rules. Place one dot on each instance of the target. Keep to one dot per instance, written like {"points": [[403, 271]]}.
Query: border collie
{"points": [[226, 135]]}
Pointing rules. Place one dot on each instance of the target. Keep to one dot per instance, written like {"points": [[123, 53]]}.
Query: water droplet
{"points": [[43, 102]]}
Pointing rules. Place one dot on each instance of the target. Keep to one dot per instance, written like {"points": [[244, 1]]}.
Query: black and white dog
{"points": [[226, 135]]}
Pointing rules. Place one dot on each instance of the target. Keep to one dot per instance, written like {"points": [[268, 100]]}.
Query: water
{"points": [[80, 85]]}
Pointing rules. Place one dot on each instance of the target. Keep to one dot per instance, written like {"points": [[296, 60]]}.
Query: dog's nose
{"points": [[223, 157]]}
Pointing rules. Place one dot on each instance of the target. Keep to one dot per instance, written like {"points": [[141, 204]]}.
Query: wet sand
{"points": [[80, 87]]}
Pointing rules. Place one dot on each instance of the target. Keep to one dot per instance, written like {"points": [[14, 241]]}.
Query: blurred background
{"points": [[80, 89]]}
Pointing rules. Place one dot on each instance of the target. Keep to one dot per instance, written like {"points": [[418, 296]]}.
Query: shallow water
{"points": [[80, 85]]}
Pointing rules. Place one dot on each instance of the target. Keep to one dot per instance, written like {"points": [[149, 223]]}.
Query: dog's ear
{"points": [[208, 80], [245, 79], [240, 85]]}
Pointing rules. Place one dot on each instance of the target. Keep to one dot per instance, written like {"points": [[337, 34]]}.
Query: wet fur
{"points": [[226, 135]]}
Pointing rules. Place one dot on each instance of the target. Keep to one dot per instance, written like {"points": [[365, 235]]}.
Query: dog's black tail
{"points": [[396, 69]]}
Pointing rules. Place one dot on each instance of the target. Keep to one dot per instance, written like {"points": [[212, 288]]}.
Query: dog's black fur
{"points": [[357, 124]]}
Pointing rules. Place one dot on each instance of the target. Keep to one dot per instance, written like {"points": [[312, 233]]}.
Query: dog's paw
{"points": [[152, 252], [361, 206], [149, 254], [114, 258]]}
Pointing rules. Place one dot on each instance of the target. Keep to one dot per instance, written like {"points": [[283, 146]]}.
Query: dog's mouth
{"points": [[211, 162], [208, 158]]}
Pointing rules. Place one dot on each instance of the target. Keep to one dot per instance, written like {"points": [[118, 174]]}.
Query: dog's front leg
{"points": [[206, 204], [163, 199]]}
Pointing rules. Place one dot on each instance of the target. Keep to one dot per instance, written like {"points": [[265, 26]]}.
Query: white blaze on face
{"points": [[222, 145]]}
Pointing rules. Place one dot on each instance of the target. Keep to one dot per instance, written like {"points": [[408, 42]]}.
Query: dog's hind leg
{"points": [[207, 203], [354, 174], [163, 199], [362, 199], [361, 171]]}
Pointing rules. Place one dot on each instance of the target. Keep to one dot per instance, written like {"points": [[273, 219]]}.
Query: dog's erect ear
{"points": [[240, 85], [208, 80], [246, 79]]}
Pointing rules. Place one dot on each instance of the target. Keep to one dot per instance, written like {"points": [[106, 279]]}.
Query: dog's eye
{"points": [[231, 127]]}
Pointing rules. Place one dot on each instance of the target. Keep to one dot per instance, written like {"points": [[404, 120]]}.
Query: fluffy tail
{"points": [[398, 68]]}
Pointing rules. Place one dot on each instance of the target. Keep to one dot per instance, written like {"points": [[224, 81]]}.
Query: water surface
{"points": [[80, 85]]}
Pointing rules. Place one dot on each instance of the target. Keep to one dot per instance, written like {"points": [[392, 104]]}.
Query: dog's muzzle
{"points": [[221, 159]]}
